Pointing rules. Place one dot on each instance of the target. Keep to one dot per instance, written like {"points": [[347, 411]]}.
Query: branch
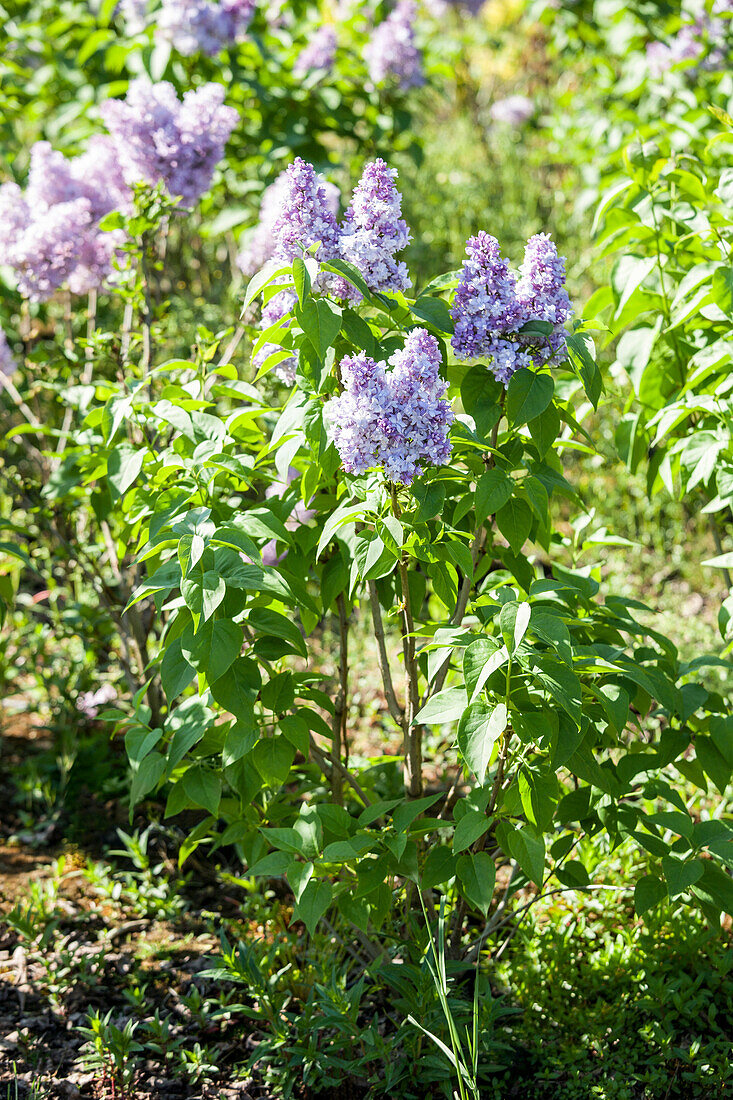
{"points": [[394, 707], [412, 734], [340, 711], [328, 765]]}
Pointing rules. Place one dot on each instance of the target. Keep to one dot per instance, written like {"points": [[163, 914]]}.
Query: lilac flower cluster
{"points": [[391, 53], [7, 360], [299, 210], [50, 234], [260, 244], [702, 40], [438, 8], [515, 110], [399, 420], [204, 26], [491, 305], [319, 54], [134, 15], [89, 703], [160, 138], [374, 231]]}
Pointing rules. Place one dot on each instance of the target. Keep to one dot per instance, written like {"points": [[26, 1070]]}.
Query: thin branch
{"points": [[412, 734], [340, 711], [327, 765], [389, 692]]}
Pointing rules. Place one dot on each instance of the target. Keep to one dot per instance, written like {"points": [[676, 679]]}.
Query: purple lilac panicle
{"points": [[374, 231], [204, 26], [391, 53], [702, 40], [260, 244], [160, 138], [399, 420], [319, 54], [50, 233], [542, 295], [491, 306], [8, 364], [515, 110]]}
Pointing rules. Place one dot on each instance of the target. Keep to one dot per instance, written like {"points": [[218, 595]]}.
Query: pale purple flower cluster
{"points": [[134, 15], [542, 296], [89, 703], [7, 360], [204, 26], [491, 305], [515, 110], [50, 233], [260, 244], [391, 53], [299, 210], [319, 54], [160, 138], [437, 8], [374, 231], [398, 420], [701, 40]]}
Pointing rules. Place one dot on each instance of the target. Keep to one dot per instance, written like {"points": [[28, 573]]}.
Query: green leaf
{"points": [[175, 671], [480, 395], [313, 903], [146, 776], [320, 321], [480, 661], [435, 311], [440, 866], [301, 278], [528, 848], [723, 289], [123, 465], [528, 395], [213, 649], [446, 706], [680, 874], [583, 361], [648, 893], [299, 875], [493, 490], [273, 757], [240, 739], [470, 827], [545, 429], [264, 621], [237, 689], [203, 592], [477, 875], [203, 787], [514, 520], [513, 622], [478, 729]]}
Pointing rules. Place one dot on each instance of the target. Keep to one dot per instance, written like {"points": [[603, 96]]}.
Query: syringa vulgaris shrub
{"points": [[404, 473]]}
